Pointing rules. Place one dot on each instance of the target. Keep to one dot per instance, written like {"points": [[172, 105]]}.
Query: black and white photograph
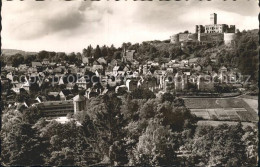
{"points": [[129, 83]]}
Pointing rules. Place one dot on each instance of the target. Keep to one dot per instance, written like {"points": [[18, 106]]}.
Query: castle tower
{"points": [[213, 18], [79, 103]]}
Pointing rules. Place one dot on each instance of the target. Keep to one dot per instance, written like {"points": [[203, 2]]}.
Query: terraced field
{"points": [[221, 109]]}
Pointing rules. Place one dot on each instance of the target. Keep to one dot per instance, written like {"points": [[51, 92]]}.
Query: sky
{"points": [[56, 25]]}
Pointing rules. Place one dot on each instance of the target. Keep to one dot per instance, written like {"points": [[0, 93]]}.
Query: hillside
{"points": [[10, 52]]}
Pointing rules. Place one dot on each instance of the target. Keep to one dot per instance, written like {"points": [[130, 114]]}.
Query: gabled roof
{"points": [[66, 92], [193, 60], [223, 68], [79, 98], [116, 68], [101, 60], [35, 64]]}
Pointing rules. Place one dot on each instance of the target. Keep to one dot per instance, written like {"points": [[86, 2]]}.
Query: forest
{"points": [[137, 129]]}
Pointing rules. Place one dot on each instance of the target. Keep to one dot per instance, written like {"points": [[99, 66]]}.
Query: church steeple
{"points": [[124, 55]]}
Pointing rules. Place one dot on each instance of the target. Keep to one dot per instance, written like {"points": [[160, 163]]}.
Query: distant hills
{"points": [[9, 52]]}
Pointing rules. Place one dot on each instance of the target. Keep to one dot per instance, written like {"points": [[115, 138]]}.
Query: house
{"points": [[115, 62], [208, 69], [135, 64], [121, 88], [36, 64], [63, 80], [169, 69], [97, 67], [5, 85], [65, 94], [11, 76], [45, 61], [53, 96], [193, 78], [155, 64], [82, 83], [197, 68], [115, 70], [26, 85], [145, 69], [17, 87], [127, 68], [56, 108], [60, 69], [193, 62], [223, 69], [23, 67], [101, 60], [41, 99], [204, 83], [185, 62], [128, 55], [150, 83], [176, 65], [70, 86], [33, 70], [172, 61], [180, 82], [90, 92], [49, 70], [159, 72], [131, 84], [85, 60], [149, 62]]}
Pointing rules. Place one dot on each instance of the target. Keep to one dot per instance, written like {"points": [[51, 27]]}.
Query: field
{"points": [[253, 103], [216, 123], [222, 109]]}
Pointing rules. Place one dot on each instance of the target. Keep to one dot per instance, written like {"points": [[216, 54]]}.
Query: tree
{"points": [[105, 122], [117, 55], [168, 97], [250, 140], [104, 51], [156, 147], [22, 146], [42, 55], [141, 93], [17, 59], [97, 52]]}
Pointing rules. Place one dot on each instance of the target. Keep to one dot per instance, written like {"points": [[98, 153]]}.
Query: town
{"points": [[95, 76], [197, 71]]}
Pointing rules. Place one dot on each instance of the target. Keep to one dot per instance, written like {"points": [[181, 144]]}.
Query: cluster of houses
{"points": [[96, 77]]}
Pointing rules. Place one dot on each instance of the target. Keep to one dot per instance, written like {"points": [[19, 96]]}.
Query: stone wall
{"points": [[175, 38], [203, 37], [188, 37], [229, 38]]}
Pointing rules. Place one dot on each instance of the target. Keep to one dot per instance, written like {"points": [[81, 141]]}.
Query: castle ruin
{"points": [[212, 33]]}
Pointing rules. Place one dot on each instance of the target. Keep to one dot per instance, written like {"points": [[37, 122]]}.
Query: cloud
{"points": [[71, 26], [44, 20]]}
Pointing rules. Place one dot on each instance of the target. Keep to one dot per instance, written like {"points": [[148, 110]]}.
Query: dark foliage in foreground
{"points": [[125, 131]]}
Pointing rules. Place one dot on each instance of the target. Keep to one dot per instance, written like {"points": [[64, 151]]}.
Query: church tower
{"points": [[124, 55]]}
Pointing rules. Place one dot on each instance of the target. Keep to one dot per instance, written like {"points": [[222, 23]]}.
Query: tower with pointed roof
{"points": [[79, 103]]}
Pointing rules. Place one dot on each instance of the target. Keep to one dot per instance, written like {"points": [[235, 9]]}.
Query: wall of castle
{"points": [[210, 37], [231, 29], [229, 38], [216, 28], [188, 37], [175, 38]]}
